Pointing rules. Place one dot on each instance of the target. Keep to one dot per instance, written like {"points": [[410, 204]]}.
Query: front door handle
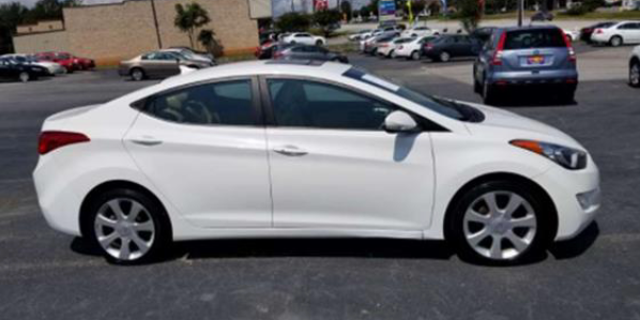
{"points": [[291, 151], [146, 141]]}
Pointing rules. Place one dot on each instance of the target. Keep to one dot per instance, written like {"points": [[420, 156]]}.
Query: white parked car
{"points": [[411, 50], [308, 149], [52, 67], [573, 35], [304, 38], [634, 68], [359, 35], [387, 49], [624, 32], [420, 31]]}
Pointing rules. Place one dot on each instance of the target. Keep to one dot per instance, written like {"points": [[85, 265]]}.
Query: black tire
{"points": [[545, 219], [634, 74], [616, 41], [415, 55], [568, 97], [137, 74], [162, 234], [319, 43], [488, 94], [477, 88]]}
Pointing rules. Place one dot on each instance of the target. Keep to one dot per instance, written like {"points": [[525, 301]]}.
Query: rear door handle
{"points": [[146, 141], [291, 151]]}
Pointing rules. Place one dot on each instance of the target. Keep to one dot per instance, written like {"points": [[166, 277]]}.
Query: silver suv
{"points": [[534, 57]]}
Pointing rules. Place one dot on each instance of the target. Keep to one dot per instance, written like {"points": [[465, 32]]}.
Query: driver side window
{"points": [[222, 103], [309, 104]]}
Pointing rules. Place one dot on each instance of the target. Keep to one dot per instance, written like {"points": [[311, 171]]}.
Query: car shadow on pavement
{"points": [[267, 248], [577, 246], [353, 248]]}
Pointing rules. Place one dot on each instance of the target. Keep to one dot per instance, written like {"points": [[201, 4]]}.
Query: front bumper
{"points": [[576, 195]]}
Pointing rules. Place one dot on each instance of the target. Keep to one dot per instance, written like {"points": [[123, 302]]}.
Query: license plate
{"points": [[535, 60]]}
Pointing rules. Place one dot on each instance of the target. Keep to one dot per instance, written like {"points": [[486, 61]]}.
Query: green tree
{"points": [[189, 18], [470, 14], [11, 15], [345, 7], [293, 21], [327, 20], [365, 12], [207, 38]]}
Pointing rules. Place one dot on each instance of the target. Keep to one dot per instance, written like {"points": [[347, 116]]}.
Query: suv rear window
{"points": [[531, 39]]}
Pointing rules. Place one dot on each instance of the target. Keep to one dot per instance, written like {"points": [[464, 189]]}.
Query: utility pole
{"points": [[520, 12], [155, 22]]}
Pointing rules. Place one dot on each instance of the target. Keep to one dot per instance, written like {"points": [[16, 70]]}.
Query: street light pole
{"points": [[520, 12]]}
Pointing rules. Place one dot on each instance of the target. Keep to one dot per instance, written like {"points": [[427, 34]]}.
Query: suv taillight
{"points": [[497, 55], [572, 53], [51, 140]]}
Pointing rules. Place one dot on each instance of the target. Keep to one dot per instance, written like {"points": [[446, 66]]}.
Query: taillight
{"points": [[572, 53], [51, 140], [598, 31], [497, 55]]}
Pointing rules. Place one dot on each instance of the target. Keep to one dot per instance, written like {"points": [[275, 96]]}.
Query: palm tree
{"points": [[189, 18], [208, 40]]}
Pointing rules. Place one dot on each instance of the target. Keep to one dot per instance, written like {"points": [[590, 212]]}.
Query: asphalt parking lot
{"points": [[47, 275]]}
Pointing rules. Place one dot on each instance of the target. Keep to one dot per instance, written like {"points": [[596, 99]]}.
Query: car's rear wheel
{"points": [[137, 74], [615, 41], [634, 74], [127, 226], [500, 222], [392, 54], [319, 43], [488, 93], [24, 76], [444, 56], [415, 55]]}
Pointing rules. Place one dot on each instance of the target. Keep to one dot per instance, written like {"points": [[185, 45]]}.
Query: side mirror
{"points": [[400, 122]]}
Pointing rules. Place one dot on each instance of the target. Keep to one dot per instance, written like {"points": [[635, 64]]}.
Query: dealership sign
{"points": [[387, 10]]}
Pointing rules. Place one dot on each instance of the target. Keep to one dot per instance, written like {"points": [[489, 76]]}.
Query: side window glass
{"points": [[302, 103], [223, 103]]}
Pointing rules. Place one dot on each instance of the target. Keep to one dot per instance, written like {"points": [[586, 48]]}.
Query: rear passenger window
{"points": [[223, 103], [535, 38]]}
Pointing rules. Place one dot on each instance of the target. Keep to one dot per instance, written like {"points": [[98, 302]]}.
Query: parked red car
{"points": [[84, 63], [64, 59]]}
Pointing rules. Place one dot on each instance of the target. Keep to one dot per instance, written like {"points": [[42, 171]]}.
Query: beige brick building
{"points": [[112, 32]]}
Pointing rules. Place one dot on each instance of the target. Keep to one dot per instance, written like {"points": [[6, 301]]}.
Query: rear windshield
{"points": [[532, 39]]}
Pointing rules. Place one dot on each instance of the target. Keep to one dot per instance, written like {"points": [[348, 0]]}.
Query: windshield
{"points": [[447, 108]]}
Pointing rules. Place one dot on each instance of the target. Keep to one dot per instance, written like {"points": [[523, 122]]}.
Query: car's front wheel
{"points": [[127, 226], [444, 56], [634, 74], [500, 222]]}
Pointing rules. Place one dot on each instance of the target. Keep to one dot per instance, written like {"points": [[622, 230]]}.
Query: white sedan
{"points": [[304, 38], [420, 31], [308, 149], [624, 32], [411, 50], [388, 49]]}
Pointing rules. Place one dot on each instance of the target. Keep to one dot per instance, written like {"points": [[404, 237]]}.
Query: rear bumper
{"points": [[565, 78]]}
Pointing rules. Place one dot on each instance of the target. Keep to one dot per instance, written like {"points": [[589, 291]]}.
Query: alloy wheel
{"points": [[415, 55], [137, 75], [124, 229], [445, 56], [24, 76], [500, 225], [616, 41]]}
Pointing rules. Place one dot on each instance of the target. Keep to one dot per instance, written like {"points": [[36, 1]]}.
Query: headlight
{"points": [[569, 158]]}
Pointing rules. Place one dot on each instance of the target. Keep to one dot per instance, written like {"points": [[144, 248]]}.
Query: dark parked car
{"points": [[585, 33], [306, 52], [483, 34], [534, 57], [542, 16], [13, 70], [446, 47]]}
